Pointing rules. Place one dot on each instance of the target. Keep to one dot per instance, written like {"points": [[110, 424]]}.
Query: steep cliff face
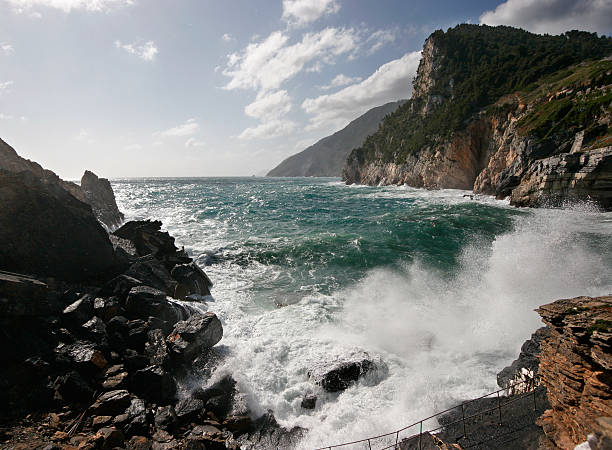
{"points": [[454, 132], [576, 368]]}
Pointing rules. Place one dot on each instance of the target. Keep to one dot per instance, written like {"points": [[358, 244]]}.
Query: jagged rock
{"points": [[309, 401], [21, 295], [219, 397], [144, 302], [79, 312], [342, 374], [267, 433], [188, 408], [83, 355], [106, 308], [238, 424], [191, 336], [165, 417], [575, 367], [101, 421], [138, 334], [110, 438], [134, 361], [119, 287], [138, 443], [46, 231], [96, 330], [155, 384], [115, 377], [152, 272], [147, 237], [525, 367], [111, 403], [156, 348], [72, 387], [136, 418], [191, 280], [99, 194]]}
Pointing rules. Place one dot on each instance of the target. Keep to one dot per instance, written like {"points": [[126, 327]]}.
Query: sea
{"points": [[437, 288]]}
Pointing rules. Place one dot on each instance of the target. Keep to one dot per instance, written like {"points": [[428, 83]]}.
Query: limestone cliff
{"points": [[576, 368], [486, 113]]}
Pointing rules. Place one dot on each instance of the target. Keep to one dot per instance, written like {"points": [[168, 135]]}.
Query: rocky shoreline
{"points": [[109, 342]]}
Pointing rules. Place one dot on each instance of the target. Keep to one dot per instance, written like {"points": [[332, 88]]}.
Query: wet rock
{"points": [[162, 440], [155, 384], [199, 332], [79, 312], [119, 287], [137, 418], [191, 281], [101, 421], [147, 237], [342, 374], [99, 194], [111, 438], [138, 334], [219, 397], [309, 401], [267, 433], [165, 417], [72, 387], [156, 348], [95, 330], [46, 231], [111, 403], [144, 301], [106, 308], [83, 355], [134, 361], [138, 443], [152, 272], [21, 295], [115, 377], [188, 408], [238, 424]]}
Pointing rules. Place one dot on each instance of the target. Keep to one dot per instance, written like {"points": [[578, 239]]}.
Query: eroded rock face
{"points": [[46, 231], [99, 194], [576, 368]]}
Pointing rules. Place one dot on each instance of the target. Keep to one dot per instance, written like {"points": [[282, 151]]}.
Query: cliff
{"points": [[576, 368], [327, 156], [489, 104], [94, 191]]}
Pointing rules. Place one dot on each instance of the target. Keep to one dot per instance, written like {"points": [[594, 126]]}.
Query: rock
{"points": [[156, 348], [342, 374], [219, 397], [119, 287], [267, 433], [191, 280], [188, 408], [72, 387], [115, 378], [583, 176], [138, 334], [111, 403], [152, 272], [79, 312], [575, 367], [134, 361], [95, 330], [309, 401], [144, 302], [238, 424], [101, 421], [165, 417], [138, 443], [46, 231], [525, 367], [191, 336], [106, 308], [148, 239], [21, 296], [83, 355], [137, 422], [111, 438], [99, 194], [155, 384]]}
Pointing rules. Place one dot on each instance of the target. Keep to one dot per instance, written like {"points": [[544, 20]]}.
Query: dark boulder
{"points": [[111, 403], [95, 331], [342, 374], [22, 296], [154, 384], [152, 272], [106, 308], [191, 280], [199, 332], [219, 397], [83, 355], [138, 334], [46, 231], [119, 287], [165, 417], [78, 312], [309, 401], [99, 194], [115, 378], [72, 387], [188, 408], [144, 302], [147, 237], [156, 348]]}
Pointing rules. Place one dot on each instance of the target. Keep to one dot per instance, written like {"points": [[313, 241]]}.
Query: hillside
{"points": [[327, 156], [489, 104]]}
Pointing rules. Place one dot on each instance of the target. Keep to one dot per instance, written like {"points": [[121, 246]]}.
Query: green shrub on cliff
{"points": [[475, 66]]}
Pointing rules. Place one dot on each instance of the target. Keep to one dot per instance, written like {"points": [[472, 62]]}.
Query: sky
{"points": [[146, 88]]}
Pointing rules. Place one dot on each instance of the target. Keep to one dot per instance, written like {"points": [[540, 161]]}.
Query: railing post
{"points": [[499, 408], [463, 420], [369, 445], [396, 438], [420, 434]]}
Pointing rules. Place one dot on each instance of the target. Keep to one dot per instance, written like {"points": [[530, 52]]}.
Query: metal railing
{"points": [[531, 387]]}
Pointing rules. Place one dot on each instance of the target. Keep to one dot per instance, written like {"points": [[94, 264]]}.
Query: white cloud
{"points": [[552, 16], [268, 130], [22, 6], [83, 136], [7, 49], [340, 80], [267, 64], [227, 37], [188, 128], [5, 86], [380, 38], [391, 81], [132, 147], [303, 12], [269, 105], [193, 143], [5, 116], [146, 51]]}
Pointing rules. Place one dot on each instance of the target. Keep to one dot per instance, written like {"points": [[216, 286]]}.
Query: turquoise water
{"points": [[436, 287]]}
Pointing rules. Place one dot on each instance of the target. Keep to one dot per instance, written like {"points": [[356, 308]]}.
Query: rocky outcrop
{"points": [[94, 191], [576, 368], [99, 194], [46, 231], [326, 157], [569, 177]]}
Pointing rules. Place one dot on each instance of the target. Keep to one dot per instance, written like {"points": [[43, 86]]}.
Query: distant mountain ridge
{"points": [[327, 156]]}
